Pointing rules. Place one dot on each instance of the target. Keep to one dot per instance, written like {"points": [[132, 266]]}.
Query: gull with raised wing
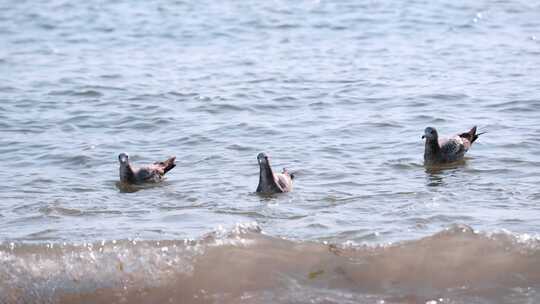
{"points": [[447, 150], [152, 173], [270, 182]]}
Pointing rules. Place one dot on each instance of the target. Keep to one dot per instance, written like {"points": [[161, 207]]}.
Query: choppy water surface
{"points": [[337, 91]]}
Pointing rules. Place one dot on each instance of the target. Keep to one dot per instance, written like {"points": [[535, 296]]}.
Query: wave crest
{"points": [[243, 265]]}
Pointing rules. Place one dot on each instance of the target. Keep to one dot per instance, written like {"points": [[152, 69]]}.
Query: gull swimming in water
{"points": [[447, 150], [152, 173], [270, 182]]}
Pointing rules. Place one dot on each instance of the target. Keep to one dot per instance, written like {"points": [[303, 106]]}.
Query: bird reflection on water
{"points": [[435, 174]]}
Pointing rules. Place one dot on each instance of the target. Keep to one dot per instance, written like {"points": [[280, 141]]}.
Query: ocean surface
{"points": [[339, 92]]}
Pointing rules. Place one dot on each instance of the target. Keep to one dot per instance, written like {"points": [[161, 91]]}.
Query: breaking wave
{"points": [[243, 265]]}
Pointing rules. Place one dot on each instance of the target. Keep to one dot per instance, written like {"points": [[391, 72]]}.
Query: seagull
{"points": [[447, 150], [152, 173], [270, 182]]}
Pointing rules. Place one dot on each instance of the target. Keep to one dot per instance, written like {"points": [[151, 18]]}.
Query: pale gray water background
{"points": [[337, 91]]}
